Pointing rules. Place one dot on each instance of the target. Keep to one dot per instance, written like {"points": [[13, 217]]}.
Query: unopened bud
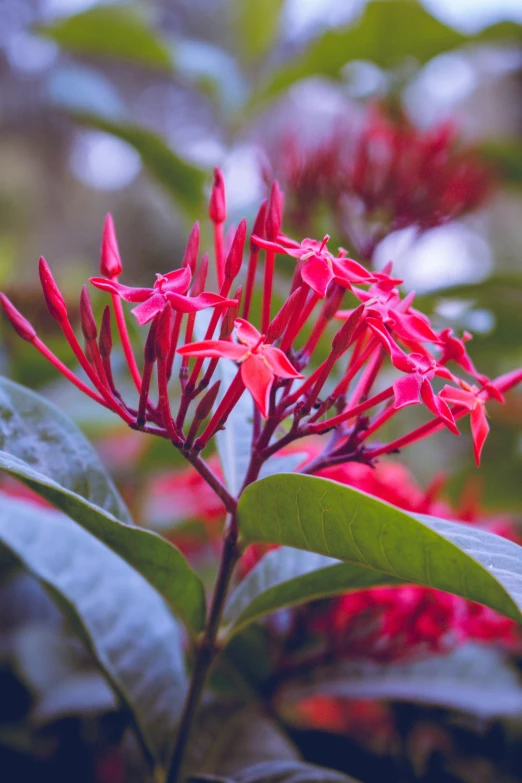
{"points": [[206, 404], [235, 255], [274, 216], [217, 207], [258, 229], [190, 258], [163, 333], [231, 313], [105, 341], [53, 297], [110, 261], [89, 328], [198, 286], [341, 341], [150, 342], [334, 301], [282, 319], [20, 324]]}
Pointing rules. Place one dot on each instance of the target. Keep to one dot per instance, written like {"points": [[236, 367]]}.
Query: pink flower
{"points": [[171, 288], [320, 267], [474, 399], [260, 363]]}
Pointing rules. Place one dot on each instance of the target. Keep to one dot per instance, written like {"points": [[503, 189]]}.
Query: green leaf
{"points": [[37, 432], [256, 24], [45, 450], [183, 181], [124, 621], [119, 32], [475, 679], [286, 577], [332, 519], [386, 33], [506, 157]]}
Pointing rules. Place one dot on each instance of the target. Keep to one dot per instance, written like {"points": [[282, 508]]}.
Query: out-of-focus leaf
{"points": [[287, 577], [83, 693], [183, 181], [290, 772], [474, 679], [285, 463], [124, 621], [506, 158], [386, 33], [45, 450], [332, 519], [212, 70], [119, 32], [256, 24]]}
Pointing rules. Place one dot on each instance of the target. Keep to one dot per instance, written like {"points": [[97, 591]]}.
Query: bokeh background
{"points": [[112, 107]]}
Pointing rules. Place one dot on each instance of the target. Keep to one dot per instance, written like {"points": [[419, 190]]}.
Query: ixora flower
{"points": [[318, 266], [474, 400], [170, 288], [260, 363]]}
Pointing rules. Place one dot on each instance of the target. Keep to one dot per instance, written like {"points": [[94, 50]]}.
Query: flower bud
{"points": [[163, 333], [191, 253], [341, 341], [282, 319], [258, 229], [105, 341], [227, 324], [150, 342], [110, 261], [206, 404], [235, 255], [20, 324], [198, 286], [274, 216], [53, 297], [217, 206], [89, 328]]}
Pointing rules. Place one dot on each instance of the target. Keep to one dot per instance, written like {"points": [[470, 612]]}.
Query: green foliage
{"points": [[123, 620], [45, 450], [505, 156], [183, 181], [387, 33], [331, 519], [119, 32], [255, 24]]}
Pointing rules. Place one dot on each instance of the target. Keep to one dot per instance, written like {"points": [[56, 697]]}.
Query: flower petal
{"points": [[258, 378], [317, 274], [276, 247], [177, 281], [213, 349], [407, 390], [479, 430], [280, 365], [125, 291], [348, 271], [246, 333], [458, 397], [191, 304], [438, 406], [146, 311]]}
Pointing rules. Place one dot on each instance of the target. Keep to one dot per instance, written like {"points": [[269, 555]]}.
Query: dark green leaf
{"points": [[37, 432], [332, 519], [183, 181], [112, 31], [289, 576], [473, 678], [124, 621], [506, 157], [46, 451], [386, 33]]}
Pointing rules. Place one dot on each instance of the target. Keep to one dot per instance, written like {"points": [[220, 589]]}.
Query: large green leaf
{"points": [[287, 576], [45, 450], [183, 181], [256, 24], [332, 519], [120, 32], [386, 33], [125, 622], [473, 678], [40, 434]]}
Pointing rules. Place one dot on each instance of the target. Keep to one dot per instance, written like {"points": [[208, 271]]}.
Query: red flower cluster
{"points": [[271, 351], [383, 176]]}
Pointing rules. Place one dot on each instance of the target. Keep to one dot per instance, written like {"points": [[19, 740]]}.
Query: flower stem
{"points": [[207, 647]]}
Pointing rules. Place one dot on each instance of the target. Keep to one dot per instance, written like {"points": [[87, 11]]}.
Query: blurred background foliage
{"points": [[127, 108]]}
